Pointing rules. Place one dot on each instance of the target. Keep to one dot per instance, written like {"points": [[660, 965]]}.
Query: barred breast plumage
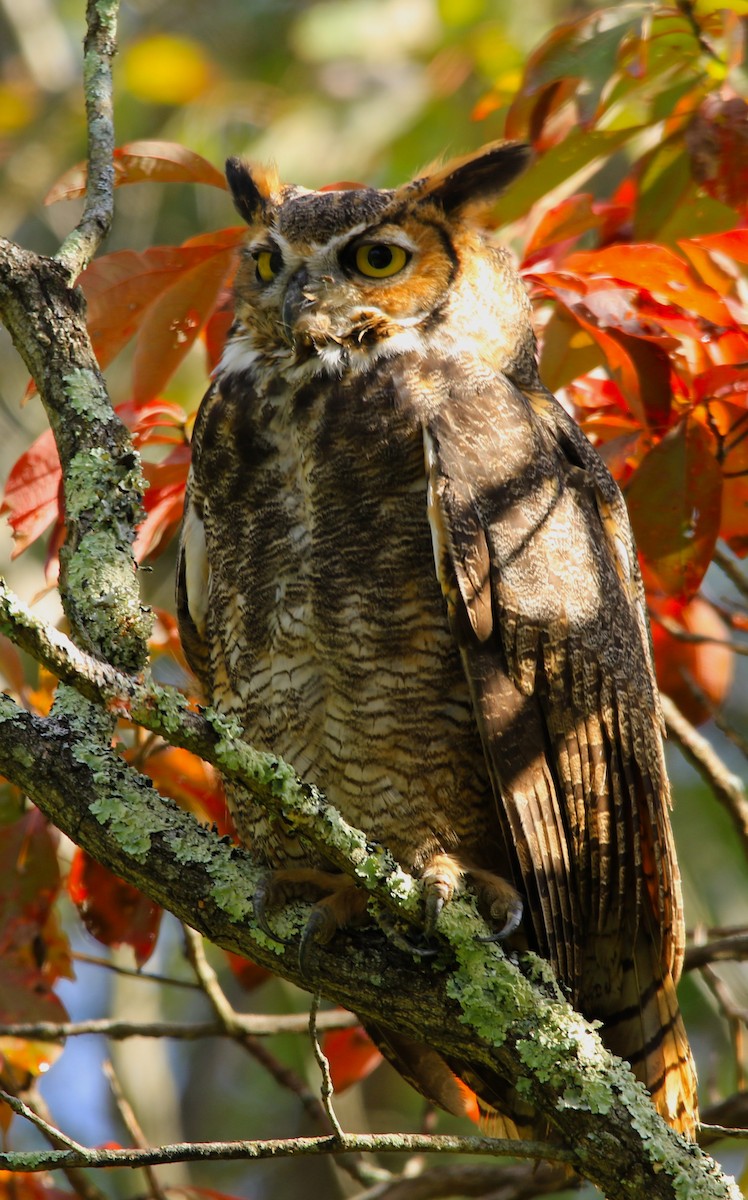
{"points": [[407, 572]]}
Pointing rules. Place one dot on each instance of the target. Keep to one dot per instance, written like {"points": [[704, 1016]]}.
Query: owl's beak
{"points": [[295, 302]]}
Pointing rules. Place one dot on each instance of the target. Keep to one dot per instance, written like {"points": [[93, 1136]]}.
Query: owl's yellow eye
{"points": [[378, 260], [269, 263]]}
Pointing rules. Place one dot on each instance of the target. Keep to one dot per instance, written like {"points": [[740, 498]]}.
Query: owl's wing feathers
{"points": [[535, 558], [193, 568]]}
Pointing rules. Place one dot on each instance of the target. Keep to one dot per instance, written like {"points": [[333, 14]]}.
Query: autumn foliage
{"points": [[631, 228]]}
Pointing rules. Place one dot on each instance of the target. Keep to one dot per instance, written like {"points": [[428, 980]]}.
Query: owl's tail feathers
{"points": [[505, 1116], [648, 1030]]}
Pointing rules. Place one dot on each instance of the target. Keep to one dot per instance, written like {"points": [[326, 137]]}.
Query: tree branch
{"points": [[259, 1025], [100, 46], [373, 1143], [471, 1002], [727, 788]]}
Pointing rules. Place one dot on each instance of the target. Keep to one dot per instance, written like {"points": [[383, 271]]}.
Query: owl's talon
{"points": [[514, 913], [260, 901], [319, 929], [433, 906], [401, 942]]}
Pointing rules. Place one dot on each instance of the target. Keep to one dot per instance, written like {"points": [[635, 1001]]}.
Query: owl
{"points": [[404, 569]]}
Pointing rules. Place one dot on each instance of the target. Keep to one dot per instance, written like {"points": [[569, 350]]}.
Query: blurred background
{"points": [[365, 90]]}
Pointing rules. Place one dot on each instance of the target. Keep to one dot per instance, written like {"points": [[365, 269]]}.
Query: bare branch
{"points": [[727, 949], [727, 788], [373, 1143], [233, 1026], [732, 571], [465, 1179], [246, 1023], [100, 46], [132, 1125], [324, 1066], [56, 1136]]}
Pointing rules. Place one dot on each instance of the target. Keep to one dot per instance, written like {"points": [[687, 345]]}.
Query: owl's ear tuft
{"points": [[476, 179], [253, 188]]}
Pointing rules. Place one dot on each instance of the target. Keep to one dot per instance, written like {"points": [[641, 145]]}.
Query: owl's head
{"points": [[333, 280]]}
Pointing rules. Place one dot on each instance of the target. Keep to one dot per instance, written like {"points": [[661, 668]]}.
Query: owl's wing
{"points": [[193, 570], [535, 557]]}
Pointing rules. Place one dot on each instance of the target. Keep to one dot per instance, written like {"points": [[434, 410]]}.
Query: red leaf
{"points": [[163, 501], [33, 951], [113, 911], [697, 675], [247, 973], [351, 1054], [654, 269], [165, 294], [674, 500], [717, 141], [14, 1185], [731, 420], [141, 162], [569, 219], [175, 318], [32, 492]]}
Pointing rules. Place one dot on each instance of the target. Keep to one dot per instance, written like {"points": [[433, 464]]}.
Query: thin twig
{"points": [[97, 960], [326, 1090], [491, 1182], [731, 570], [132, 1125], [55, 1135], [727, 788], [363, 1172], [371, 1143], [246, 1024], [681, 634], [80, 1182], [100, 46]]}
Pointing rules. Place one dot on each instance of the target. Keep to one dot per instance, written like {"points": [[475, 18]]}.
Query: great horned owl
{"points": [[405, 569]]}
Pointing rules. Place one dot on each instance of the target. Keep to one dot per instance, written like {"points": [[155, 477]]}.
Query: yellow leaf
{"points": [[165, 69]]}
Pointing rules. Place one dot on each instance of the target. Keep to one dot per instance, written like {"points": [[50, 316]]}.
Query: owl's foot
{"points": [[498, 902], [343, 904]]}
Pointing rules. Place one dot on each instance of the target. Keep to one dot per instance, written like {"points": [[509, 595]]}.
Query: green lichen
{"points": [[95, 481], [171, 706], [86, 395]]}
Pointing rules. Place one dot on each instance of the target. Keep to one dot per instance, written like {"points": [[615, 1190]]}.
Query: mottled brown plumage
{"points": [[405, 570]]}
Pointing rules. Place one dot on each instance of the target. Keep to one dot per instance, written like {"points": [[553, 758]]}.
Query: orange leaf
{"points": [[143, 162], [120, 287], [33, 951], [654, 269], [192, 783], [697, 675], [175, 318], [674, 500], [165, 294], [351, 1054]]}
